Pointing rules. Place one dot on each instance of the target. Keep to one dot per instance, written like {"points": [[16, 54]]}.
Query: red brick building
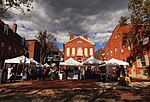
{"points": [[99, 54], [114, 49], [11, 44], [34, 49], [79, 48]]}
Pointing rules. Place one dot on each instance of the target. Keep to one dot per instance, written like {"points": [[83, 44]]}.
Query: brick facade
{"points": [[79, 48], [34, 49], [11, 44], [114, 49]]}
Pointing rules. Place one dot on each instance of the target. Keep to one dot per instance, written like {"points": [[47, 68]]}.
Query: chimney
{"points": [[71, 36], [85, 36], [14, 27]]}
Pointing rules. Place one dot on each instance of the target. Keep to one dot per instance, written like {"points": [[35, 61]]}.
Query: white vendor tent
{"points": [[92, 61], [71, 62], [33, 61], [46, 65], [116, 62], [20, 59]]}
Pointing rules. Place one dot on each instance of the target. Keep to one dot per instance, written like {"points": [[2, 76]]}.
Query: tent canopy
{"points": [[71, 62], [33, 61], [116, 62], [46, 65], [92, 61], [20, 59]]}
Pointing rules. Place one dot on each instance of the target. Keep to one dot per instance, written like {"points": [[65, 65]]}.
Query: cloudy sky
{"points": [[96, 18]]}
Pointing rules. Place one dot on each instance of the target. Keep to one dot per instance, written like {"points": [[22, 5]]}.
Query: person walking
{"points": [[44, 73], [82, 73], [9, 74]]}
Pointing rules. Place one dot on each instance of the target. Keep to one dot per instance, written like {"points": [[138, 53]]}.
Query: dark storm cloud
{"points": [[68, 15], [96, 18]]}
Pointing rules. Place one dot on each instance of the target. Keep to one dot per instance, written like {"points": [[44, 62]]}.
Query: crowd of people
{"points": [[42, 73], [13, 73]]}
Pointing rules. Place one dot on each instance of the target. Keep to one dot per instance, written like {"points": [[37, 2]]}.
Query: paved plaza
{"points": [[74, 91]]}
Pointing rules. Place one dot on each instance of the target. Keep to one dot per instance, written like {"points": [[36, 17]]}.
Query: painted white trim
{"points": [[81, 38]]}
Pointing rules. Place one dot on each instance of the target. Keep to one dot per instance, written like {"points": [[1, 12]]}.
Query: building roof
{"points": [[81, 38]]}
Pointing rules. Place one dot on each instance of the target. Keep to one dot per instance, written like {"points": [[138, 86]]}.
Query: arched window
{"points": [[73, 51], [91, 51], [68, 52], [79, 51], [85, 52]]}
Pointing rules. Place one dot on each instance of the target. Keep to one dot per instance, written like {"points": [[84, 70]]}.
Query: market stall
{"points": [[72, 68], [91, 67]]}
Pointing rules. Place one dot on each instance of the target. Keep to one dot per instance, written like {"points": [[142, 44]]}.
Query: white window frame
{"points": [[73, 52], [91, 51], [68, 52], [79, 51], [85, 52]]}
